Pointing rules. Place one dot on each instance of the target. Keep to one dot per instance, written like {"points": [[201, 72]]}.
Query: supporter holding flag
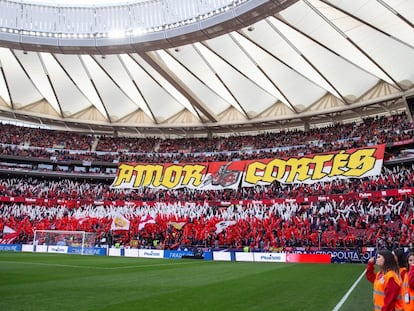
{"points": [[8, 230], [177, 225], [223, 225], [144, 221], [9, 235], [120, 222]]}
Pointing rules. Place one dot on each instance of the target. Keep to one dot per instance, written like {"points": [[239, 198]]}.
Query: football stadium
{"points": [[206, 155]]}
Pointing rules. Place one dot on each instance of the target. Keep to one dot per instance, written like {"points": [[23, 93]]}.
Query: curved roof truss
{"points": [[296, 64]]}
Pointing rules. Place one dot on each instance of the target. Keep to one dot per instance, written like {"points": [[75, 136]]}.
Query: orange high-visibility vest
{"points": [[399, 304], [380, 283], [407, 294]]}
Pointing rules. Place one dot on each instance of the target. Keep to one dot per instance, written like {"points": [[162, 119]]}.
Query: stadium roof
{"points": [[188, 67]]}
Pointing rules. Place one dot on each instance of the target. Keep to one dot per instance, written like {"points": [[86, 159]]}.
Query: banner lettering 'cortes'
{"points": [[341, 164]]}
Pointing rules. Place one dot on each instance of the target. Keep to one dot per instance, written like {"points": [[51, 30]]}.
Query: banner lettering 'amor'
{"points": [[352, 163]]}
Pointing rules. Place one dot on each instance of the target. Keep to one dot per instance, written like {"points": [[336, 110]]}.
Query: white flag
{"points": [[223, 225], [146, 220], [120, 223], [7, 229]]}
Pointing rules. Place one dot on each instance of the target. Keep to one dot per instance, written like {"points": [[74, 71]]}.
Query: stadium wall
{"points": [[325, 255], [281, 257]]}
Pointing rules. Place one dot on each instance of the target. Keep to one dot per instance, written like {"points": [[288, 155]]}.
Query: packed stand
{"points": [[371, 131], [347, 223], [189, 217]]}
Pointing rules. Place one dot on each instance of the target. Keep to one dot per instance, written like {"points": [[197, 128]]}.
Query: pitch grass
{"points": [[44, 282]]}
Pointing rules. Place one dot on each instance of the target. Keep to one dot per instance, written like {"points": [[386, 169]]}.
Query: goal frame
{"points": [[83, 234]]}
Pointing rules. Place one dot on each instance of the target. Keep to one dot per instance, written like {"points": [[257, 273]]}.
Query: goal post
{"points": [[61, 241]]}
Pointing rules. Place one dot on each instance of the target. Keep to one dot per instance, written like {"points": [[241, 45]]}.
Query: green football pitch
{"points": [[73, 282]]}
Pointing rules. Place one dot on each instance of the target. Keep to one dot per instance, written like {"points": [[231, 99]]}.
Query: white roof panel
{"points": [[314, 58], [18, 80], [69, 96]]}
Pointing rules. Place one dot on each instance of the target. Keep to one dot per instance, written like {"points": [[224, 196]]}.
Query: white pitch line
{"points": [[144, 266], [94, 267], [342, 301]]}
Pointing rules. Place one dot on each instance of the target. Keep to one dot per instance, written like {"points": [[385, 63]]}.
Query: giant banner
{"points": [[323, 167]]}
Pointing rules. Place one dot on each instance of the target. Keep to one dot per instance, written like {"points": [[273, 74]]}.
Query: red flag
{"points": [[146, 220], [9, 235]]}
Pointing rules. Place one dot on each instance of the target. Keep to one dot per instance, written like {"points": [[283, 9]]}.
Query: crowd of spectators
{"points": [[331, 224], [397, 177], [349, 222], [66, 146]]}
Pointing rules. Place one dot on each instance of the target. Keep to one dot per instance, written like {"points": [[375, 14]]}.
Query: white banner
{"points": [[131, 252], [57, 249], [270, 257], [223, 256], [151, 253], [243, 256]]}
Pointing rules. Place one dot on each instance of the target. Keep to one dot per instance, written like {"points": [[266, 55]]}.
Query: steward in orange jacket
{"points": [[387, 281], [407, 289]]}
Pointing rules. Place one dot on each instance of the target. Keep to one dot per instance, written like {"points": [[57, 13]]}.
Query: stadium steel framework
{"points": [[203, 67]]}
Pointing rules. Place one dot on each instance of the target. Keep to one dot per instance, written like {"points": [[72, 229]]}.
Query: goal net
{"points": [[60, 241]]}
